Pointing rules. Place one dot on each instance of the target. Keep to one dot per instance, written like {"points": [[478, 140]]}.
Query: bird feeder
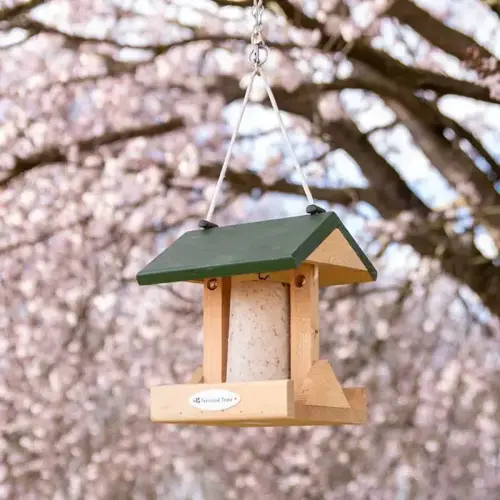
{"points": [[261, 363]]}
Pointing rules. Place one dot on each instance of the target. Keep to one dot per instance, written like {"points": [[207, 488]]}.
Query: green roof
{"points": [[273, 245]]}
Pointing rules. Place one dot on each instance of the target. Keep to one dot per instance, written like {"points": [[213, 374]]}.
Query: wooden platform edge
{"points": [[307, 416], [272, 399], [303, 416]]}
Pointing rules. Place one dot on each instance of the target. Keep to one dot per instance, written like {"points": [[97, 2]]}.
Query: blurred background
{"points": [[115, 116]]}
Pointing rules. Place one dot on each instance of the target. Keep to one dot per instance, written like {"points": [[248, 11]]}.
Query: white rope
{"points": [[225, 165], [258, 57], [218, 186], [296, 163]]}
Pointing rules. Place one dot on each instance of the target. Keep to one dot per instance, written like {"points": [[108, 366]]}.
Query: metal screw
{"points": [[300, 281], [212, 284]]}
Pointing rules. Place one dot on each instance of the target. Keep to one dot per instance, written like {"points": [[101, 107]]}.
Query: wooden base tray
{"points": [[261, 404]]}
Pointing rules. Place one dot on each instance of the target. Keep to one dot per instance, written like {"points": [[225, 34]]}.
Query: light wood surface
{"points": [[216, 305], [336, 251], [197, 376], [259, 401], [322, 388], [304, 323], [306, 415]]}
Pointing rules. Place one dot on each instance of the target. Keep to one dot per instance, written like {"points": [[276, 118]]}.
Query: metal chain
{"points": [[259, 53]]}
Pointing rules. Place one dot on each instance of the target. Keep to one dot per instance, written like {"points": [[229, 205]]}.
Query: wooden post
{"points": [[304, 324], [216, 298]]}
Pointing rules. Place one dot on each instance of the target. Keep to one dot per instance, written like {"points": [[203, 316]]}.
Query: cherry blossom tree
{"points": [[114, 120]]}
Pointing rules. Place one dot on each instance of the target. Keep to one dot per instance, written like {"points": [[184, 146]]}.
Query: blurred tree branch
{"points": [[60, 154], [435, 31], [8, 13]]}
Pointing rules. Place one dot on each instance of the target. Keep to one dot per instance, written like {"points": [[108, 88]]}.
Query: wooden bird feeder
{"points": [[261, 363]]}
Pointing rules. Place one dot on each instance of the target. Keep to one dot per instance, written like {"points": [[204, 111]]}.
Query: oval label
{"points": [[214, 400]]}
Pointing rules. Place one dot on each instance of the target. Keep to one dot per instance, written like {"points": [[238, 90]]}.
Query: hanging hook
{"points": [[259, 54]]}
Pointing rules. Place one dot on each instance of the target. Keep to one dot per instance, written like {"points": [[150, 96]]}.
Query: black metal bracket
{"points": [[205, 224], [314, 209]]}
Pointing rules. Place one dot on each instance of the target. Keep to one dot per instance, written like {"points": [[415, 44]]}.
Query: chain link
{"points": [[259, 53]]}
